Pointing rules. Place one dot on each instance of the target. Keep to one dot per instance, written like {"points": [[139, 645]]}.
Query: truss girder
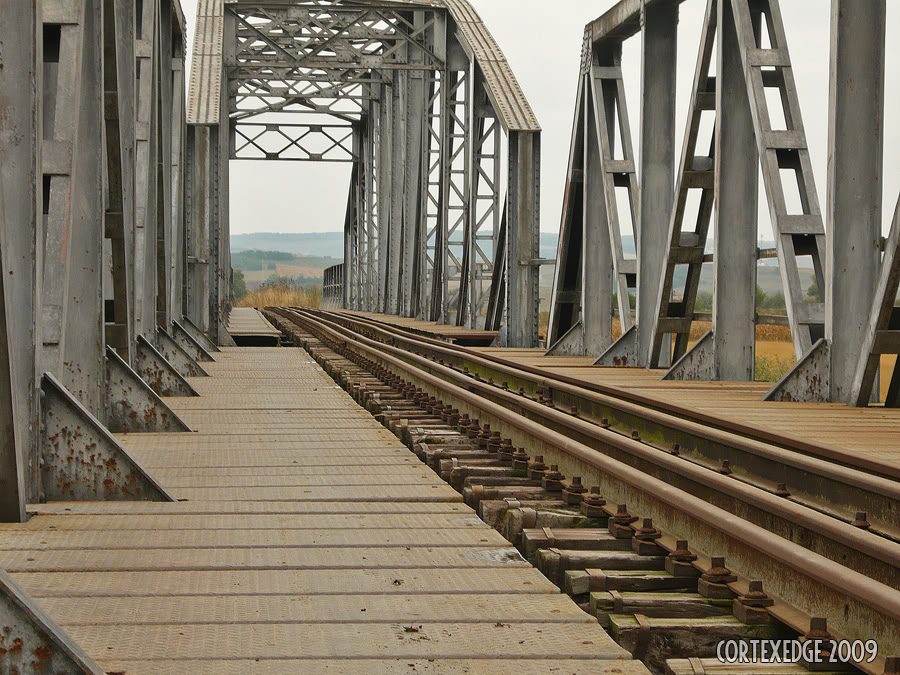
{"points": [[94, 156], [744, 92]]}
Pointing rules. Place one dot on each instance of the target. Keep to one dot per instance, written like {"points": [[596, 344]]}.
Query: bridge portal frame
{"points": [[424, 104]]}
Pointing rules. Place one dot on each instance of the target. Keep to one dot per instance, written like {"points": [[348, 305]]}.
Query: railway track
{"points": [[467, 428], [798, 472], [843, 513]]}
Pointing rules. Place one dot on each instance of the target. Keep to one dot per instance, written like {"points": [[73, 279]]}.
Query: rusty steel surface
{"points": [[162, 377], [31, 642], [132, 405], [861, 606], [82, 460], [299, 539], [836, 488]]}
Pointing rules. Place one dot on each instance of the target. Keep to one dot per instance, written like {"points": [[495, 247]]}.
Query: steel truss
{"points": [[421, 101], [100, 240], [744, 90]]}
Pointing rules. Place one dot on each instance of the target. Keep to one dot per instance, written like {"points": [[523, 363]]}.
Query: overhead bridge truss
{"points": [[442, 217], [744, 120]]}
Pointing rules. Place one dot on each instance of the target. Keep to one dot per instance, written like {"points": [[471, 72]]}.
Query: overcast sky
{"points": [[543, 43]]}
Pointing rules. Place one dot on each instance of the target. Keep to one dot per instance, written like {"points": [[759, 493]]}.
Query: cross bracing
{"points": [[744, 88], [420, 99]]}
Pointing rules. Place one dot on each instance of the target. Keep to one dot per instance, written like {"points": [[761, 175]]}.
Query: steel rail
{"points": [[802, 577], [836, 455], [833, 489]]}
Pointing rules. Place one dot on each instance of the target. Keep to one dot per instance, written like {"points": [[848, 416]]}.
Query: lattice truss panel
{"points": [[313, 59], [419, 98]]}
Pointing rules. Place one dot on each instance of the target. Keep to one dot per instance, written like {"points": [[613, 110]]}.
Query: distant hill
{"points": [[315, 244], [263, 254]]}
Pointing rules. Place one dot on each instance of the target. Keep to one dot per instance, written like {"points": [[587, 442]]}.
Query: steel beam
{"points": [[71, 157], [399, 94], [21, 256], [523, 207], [412, 222], [565, 334], [597, 255], [856, 148], [659, 44], [189, 343], [622, 20], [737, 168], [198, 208], [12, 453], [882, 334], [163, 169], [178, 172], [177, 355], [118, 96]]}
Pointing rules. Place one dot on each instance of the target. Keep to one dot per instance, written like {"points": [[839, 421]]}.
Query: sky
{"points": [[543, 47]]}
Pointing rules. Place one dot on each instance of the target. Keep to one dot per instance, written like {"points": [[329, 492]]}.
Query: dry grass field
{"points": [[310, 296]]}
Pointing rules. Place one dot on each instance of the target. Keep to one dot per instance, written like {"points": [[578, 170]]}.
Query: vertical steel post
{"points": [[178, 174], [399, 93], [737, 170], [597, 267], [163, 169], [21, 253], [119, 87], [856, 147], [12, 448], [385, 181], [657, 168], [145, 175], [414, 110], [524, 229], [371, 295]]}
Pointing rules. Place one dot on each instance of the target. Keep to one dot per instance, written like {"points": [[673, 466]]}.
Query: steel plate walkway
{"points": [[306, 538]]}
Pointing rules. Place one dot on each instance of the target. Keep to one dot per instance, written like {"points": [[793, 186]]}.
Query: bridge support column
{"points": [[856, 138], [523, 298], [597, 267], [658, 80], [737, 171], [21, 260]]}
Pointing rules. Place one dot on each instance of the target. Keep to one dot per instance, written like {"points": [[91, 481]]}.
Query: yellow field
{"points": [[282, 297]]}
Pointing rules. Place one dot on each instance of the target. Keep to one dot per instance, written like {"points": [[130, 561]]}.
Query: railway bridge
{"points": [[417, 476]]}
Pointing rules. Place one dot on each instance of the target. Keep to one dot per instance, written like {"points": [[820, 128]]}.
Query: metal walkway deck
{"points": [[249, 328], [306, 538]]}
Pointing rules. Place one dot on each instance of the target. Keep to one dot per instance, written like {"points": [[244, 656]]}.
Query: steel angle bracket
{"points": [[80, 458], [198, 335], [157, 372], [571, 343], [189, 344], [131, 404], [809, 380], [176, 355], [30, 641], [623, 353], [698, 363]]}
